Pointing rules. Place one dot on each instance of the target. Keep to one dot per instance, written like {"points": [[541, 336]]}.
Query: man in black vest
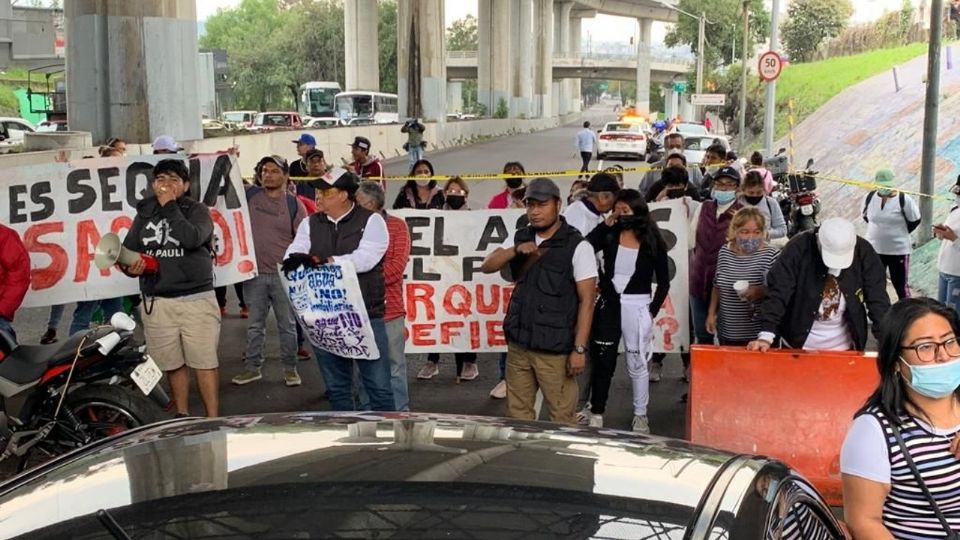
{"points": [[345, 231], [551, 310]]}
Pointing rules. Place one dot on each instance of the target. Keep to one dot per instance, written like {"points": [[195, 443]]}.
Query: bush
{"points": [[502, 109]]}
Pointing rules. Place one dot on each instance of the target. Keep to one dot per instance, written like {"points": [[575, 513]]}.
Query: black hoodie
{"points": [[180, 236]]}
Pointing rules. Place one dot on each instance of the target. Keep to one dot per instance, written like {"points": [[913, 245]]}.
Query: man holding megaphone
{"points": [[169, 248]]}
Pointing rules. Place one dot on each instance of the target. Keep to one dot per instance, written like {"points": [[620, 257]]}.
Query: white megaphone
{"points": [[110, 251]]}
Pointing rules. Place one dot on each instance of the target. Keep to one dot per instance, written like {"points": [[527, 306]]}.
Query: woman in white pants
{"points": [[634, 255]]}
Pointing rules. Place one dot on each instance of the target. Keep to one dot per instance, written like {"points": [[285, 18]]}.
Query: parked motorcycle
{"points": [[55, 398], [798, 199]]}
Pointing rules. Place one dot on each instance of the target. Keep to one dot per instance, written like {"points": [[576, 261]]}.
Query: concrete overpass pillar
{"points": [[563, 45], [495, 60], [454, 97], [362, 65], [544, 64], [124, 81], [669, 101], [643, 65], [574, 52], [421, 60], [524, 59], [686, 109]]}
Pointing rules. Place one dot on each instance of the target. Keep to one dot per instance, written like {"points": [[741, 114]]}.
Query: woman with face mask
{"points": [[512, 196], [634, 257], [740, 281], [948, 261], [753, 195], [455, 193], [898, 463], [420, 192], [891, 217]]}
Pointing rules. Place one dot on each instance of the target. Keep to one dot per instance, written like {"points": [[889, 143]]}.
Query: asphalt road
{"points": [[549, 150]]}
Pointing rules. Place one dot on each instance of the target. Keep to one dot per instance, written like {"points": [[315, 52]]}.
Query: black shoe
{"points": [[50, 336], [181, 415]]}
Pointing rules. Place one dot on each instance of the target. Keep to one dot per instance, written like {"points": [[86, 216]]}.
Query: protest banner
{"points": [[453, 307], [61, 210], [330, 309]]}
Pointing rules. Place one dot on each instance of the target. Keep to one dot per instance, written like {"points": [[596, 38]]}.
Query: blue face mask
{"points": [[749, 245], [723, 197], [935, 380]]}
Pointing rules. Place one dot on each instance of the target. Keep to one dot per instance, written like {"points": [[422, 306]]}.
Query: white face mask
{"points": [[423, 180]]}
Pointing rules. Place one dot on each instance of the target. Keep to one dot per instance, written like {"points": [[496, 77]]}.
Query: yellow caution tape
{"points": [[640, 169]]}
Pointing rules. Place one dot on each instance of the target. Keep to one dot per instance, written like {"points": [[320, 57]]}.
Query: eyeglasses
{"points": [[927, 352]]}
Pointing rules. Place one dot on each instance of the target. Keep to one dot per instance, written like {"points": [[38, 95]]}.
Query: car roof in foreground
{"points": [[272, 470]]}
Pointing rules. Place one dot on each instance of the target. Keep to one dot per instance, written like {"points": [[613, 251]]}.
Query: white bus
{"points": [[360, 107], [317, 99]]}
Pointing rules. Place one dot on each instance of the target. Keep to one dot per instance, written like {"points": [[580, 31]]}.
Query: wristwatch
{"points": [[580, 349]]}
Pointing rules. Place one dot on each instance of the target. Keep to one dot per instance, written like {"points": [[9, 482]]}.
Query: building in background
{"points": [[28, 36], [222, 83]]}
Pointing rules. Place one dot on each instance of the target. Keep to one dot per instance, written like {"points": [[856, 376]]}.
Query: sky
{"points": [[611, 28]]}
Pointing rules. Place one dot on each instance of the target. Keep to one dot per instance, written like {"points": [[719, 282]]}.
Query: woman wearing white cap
{"points": [[891, 217], [822, 290]]}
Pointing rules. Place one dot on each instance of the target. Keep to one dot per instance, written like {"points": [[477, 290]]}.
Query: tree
{"points": [[809, 22], [274, 46], [727, 27], [387, 37], [463, 35]]}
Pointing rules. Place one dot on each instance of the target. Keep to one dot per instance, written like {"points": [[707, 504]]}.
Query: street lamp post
{"points": [[743, 79], [702, 23]]}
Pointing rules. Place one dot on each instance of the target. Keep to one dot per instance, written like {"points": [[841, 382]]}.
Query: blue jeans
{"points": [[698, 314], [5, 326], [260, 294], [84, 312], [415, 153], [949, 291], [374, 375], [398, 369], [502, 366], [56, 314]]}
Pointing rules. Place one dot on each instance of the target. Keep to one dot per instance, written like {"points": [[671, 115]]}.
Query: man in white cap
{"points": [[821, 291], [165, 144]]}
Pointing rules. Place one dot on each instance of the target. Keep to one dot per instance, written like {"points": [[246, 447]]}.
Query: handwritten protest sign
{"points": [[330, 309], [61, 210], [453, 307]]}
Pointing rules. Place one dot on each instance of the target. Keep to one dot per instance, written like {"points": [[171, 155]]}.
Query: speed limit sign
{"points": [[770, 66]]}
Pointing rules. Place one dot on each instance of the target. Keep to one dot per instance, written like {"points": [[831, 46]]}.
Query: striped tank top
{"points": [[906, 512]]}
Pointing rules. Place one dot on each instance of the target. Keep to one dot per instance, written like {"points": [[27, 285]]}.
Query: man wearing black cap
{"points": [[306, 144], [345, 231], [586, 213], [275, 215], [364, 165], [555, 271]]}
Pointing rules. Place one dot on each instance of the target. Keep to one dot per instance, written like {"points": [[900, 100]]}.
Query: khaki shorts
{"points": [[182, 331]]}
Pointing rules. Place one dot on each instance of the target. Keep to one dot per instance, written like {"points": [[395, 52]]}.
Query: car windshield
{"points": [[623, 128], [693, 129], [371, 479], [282, 120], [236, 117]]}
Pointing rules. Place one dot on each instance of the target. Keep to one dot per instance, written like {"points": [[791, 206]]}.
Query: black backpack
{"points": [[911, 225], [291, 205]]}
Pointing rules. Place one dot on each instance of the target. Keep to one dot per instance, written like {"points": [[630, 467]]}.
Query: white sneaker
{"points": [[656, 371], [641, 425], [499, 391], [596, 420], [583, 417]]}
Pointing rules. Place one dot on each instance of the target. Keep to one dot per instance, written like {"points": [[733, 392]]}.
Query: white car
{"points": [[690, 128], [12, 131], [622, 138], [320, 123], [695, 146]]}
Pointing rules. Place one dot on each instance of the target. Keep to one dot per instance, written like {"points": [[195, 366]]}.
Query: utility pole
{"points": [[741, 147], [698, 113], [931, 110], [770, 109]]}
